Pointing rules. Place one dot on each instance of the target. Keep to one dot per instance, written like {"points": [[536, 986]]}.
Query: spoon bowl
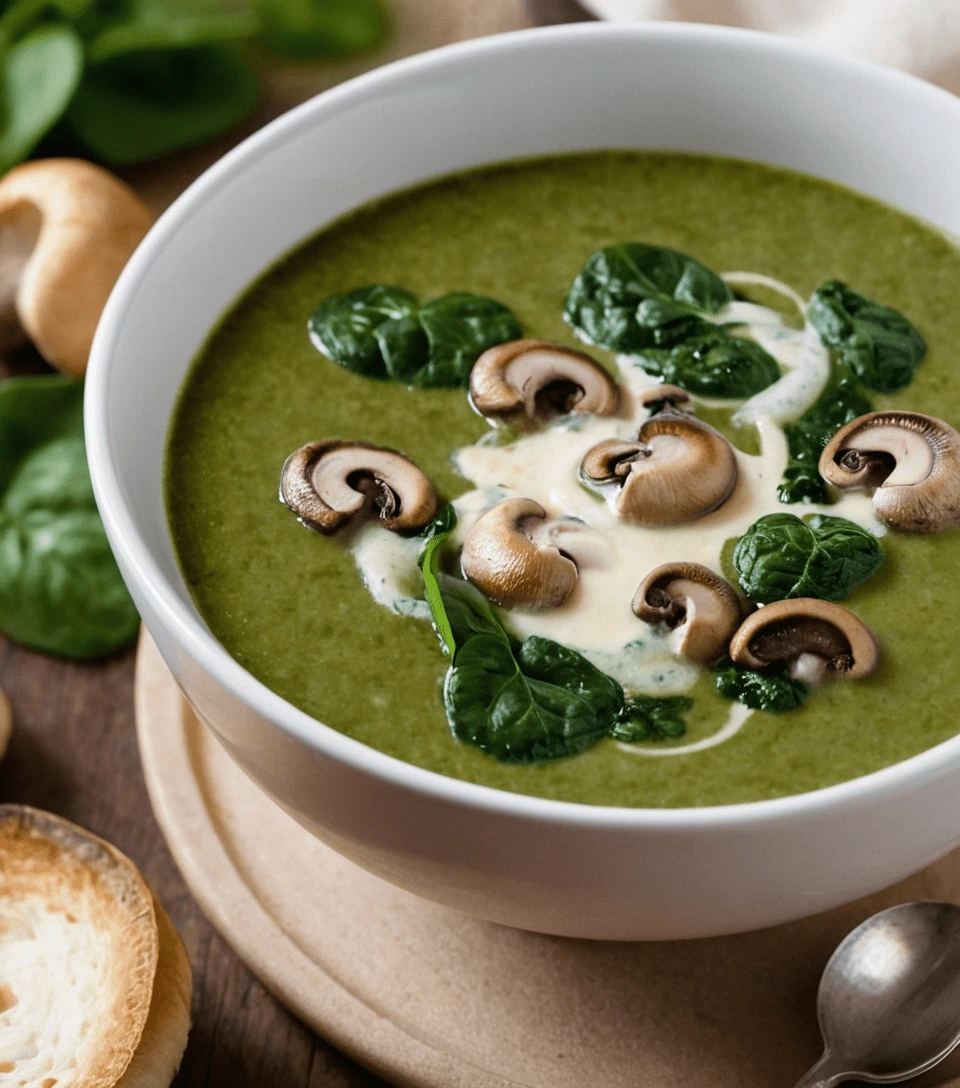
{"points": [[889, 999]]}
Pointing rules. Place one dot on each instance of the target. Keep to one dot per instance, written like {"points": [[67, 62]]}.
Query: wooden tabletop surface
{"points": [[74, 748]]}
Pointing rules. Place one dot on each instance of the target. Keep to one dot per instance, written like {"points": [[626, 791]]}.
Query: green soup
{"points": [[289, 604]]}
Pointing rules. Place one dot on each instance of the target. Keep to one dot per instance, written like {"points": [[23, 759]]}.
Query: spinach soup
{"points": [[624, 478]]}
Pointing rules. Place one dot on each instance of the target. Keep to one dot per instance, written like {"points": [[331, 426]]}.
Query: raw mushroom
{"points": [[811, 636], [328, 483], [660, 397], [516, 555], [678, 469], [701, 609], [67, 228], [912, 460], [537, 379]]}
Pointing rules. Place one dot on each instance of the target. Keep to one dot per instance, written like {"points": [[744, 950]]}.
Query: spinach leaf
{"points": [[645, 717], [146, 104], [60, 589], [634, 296], [774, 692], [841, 401], [38, 76], [384, 332], [877, 342], [435, 535], [521, 702], [173, 24], [713, 363], [781, 556], [322, 29]]}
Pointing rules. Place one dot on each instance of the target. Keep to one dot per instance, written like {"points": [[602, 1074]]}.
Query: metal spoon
{"points": [[889, 999]]}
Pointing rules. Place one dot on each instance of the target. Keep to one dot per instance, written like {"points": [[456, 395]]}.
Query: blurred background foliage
{"points": [[130, 81]]}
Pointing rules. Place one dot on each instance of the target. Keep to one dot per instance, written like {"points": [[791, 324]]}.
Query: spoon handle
{"points": [[822, 1075]]}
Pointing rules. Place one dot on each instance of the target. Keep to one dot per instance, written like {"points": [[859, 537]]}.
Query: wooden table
{"points": [[74, 749]]}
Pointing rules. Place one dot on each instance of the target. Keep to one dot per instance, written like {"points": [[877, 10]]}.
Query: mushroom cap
{"points": [[663, 396], [328, 483], [912, 460], [786, 631], [537, 379], [67, 228], [701, 608], [678, 469], [511, 556]]}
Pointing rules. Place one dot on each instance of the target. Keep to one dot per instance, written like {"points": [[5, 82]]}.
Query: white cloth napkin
{"points": [[920, 36]]}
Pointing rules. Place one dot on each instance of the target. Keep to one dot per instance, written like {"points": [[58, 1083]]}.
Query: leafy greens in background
{"points": [[877, 342], [653, 303], [774, 692], [60, 589], [842, 401], [132, 80], [385, 332], [781, 556]]}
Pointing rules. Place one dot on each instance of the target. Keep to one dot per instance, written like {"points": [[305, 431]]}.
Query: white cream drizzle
{"points": [[613, 558]]}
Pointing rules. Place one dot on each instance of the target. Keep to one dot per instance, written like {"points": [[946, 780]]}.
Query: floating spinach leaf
{"points": [[645, 717], [650, 302], [60, 590], [773, 691], [713, 363], [147, 104], [841, 401], [38, 76], [384, 332], [877, 342], [322, 29], [635, 296], [521, 702], [435, 535], [781, 556]]}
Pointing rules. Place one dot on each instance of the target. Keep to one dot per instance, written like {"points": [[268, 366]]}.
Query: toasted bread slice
{"points": [[94, 980]]}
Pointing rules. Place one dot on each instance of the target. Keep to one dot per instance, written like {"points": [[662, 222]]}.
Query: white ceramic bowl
{"points": [[542, 865]]}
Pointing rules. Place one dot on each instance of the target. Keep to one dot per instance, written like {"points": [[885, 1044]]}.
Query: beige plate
{"points": [[431, 998]]}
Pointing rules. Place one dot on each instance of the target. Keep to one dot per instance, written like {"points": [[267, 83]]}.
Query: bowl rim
{"points": [[185, 623]]}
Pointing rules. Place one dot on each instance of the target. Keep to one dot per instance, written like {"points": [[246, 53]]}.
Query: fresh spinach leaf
{"points": [[144, 105], [877, 342], [521, 702], [435, 535], [60, 589], [646, 717], [650, 302], [322, 29], [384, 332], [773, 691], [38, 76], [713, 363], [135, 25], [841, 401], [781, 556], [634, 296]]}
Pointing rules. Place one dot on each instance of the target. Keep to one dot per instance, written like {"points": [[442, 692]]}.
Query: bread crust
{"points": [[79, 916]]}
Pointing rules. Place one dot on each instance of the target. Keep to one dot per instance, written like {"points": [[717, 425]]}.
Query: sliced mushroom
{"points": [[536, 379], [67, 228], [326, 484], [701, 609], [912, 460], [659, 397], [516, 555], [678, 469], [811, 636]]}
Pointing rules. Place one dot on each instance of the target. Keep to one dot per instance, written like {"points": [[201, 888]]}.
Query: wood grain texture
{"points": [[73, 749]]}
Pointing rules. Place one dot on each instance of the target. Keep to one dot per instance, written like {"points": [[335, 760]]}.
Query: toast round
{"points": [[91, 970]]}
